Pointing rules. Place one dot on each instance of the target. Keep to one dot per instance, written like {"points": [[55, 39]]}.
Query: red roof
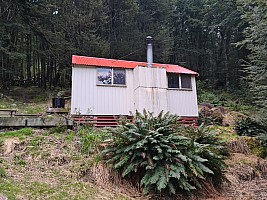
{"points": [[104, 62]]}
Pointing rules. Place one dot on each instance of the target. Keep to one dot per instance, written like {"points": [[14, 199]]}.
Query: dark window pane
{"points": [[119, 76], [104, 76], [186, 81], [173, 80]]}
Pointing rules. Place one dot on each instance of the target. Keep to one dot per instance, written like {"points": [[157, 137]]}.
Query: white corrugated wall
{"points": [[183, 102], [88, 98], [150, 89], [146, 88]]}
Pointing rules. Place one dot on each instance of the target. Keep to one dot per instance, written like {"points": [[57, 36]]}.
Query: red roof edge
{"points": [[105, 62]]}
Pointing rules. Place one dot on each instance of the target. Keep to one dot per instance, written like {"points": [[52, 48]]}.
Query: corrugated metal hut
{"points": [[111, 87]]}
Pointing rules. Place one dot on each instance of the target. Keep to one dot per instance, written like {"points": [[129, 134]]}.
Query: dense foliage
{"points": [[163, 157], [38, 37], [255, 13]]}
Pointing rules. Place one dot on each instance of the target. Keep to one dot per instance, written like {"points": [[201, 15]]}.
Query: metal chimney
{"points": [[149, 40]]}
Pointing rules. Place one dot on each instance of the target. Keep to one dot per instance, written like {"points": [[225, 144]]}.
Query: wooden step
{"points": [[112, 121]]}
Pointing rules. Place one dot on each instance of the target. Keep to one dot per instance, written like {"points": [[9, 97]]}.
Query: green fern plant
{"points": [[153, 153]]}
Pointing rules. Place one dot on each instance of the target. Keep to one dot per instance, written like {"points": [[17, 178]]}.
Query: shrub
{"points": [[209, 97], [207, 136], [250, 127], [155, 153], [203, 135], [256, 146]]}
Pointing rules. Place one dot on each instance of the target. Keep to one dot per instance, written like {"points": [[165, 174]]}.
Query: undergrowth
{"points": [[163, 158], [252, 128], [229, 99]]}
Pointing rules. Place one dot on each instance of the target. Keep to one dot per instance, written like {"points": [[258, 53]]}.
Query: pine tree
{"points": [[255, 12]]}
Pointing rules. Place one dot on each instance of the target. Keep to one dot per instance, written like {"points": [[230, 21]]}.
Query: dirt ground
{"points": [[247, 175]]}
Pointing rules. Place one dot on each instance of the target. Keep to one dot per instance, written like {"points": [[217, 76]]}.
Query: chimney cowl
{"points": [[149, 40]]}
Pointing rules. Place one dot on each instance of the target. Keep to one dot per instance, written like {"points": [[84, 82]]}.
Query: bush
{"points": [[203, 135], [207, 136], [256, 146], [155, 153], [250, 127]]}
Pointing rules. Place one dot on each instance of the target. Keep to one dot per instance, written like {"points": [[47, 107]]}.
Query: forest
{"points": [[224, 41]]}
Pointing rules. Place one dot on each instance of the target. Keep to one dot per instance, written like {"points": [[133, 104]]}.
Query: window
{"points": [[104, 76], [110, 76], [119, 76], [186, 81], [179, 81], [173, 80]]}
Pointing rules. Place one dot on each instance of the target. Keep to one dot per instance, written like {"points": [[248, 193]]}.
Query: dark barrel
{"points": [[58, 102]]}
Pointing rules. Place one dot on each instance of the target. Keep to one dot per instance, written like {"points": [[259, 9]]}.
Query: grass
{"points": [[29, 108], [2, 172], [40, 190], [91, 138], [70, 136], [18, 160], [17, 133], [49, 166], [57, 129], [9, 188], [31, 100], [225, 133]]}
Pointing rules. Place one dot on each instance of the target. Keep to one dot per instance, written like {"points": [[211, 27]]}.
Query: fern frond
{"points": [[162, 178], [122, 162], [205, 169], [128, 170]]}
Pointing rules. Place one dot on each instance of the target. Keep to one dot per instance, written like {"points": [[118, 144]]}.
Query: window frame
{"points": [[179, 76], [186, 88], [112, 77]]}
